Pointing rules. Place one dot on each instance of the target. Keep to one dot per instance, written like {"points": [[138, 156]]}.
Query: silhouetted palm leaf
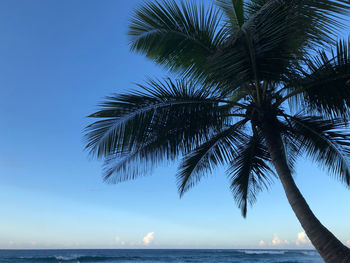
{"points": [[219, 149], [274, 40], [325, 87], [234, 14], [249, 171], [166, 118], [326, 142], [254, 6], [178, 36]]}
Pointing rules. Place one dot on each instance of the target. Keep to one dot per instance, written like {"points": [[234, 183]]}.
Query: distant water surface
{"points": [[151, 256]]}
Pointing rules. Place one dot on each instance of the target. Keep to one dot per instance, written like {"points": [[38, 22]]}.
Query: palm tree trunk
{"points": [[328, 246]]}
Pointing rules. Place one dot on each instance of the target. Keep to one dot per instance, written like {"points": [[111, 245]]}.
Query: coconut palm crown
{"points": [[258, 83]]}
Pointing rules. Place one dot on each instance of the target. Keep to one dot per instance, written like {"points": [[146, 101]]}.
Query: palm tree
{"points": [[257, 85]]}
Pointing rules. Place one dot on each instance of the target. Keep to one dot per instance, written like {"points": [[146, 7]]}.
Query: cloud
{"points": [[348, 243], [118, 241], [147, 240], [262, 243], [276, 241], [302, 239]]}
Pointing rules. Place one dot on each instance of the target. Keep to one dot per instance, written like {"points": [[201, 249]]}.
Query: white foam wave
{"points": [[309, 253], [259, 252], [68, 258]]}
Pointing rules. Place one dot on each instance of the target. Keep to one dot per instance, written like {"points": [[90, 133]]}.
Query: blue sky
{"points": [[58, 60]]}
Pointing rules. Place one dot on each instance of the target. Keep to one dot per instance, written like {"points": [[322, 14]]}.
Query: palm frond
{"points": [[180, 109], [325, 86], [275, 39], [253, 6], [217, 150], [234, 13], [249, 172], [291, 146], [139, 162], [177, 36], [326, 142], [142, 159]]}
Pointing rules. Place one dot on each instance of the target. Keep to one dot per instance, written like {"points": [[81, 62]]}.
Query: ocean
{"points": [[164, 255]]}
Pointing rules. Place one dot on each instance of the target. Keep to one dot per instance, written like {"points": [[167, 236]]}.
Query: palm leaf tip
{"points": [[326, 142], [179, 36], [218, 150], [249, 172], [126, 167], [325, 85], [163, 120], [234, 13]]}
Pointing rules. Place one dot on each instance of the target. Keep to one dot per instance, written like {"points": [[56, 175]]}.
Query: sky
{"points": [[59, 59]]}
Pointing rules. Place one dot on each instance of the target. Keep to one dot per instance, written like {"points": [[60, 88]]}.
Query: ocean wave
{"points": [[262, 252], [310, 253], [169, 256], [76, 258], [281, 252]]}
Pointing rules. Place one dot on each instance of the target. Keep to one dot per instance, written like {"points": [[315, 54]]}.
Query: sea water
{"points": [[150, 256]]}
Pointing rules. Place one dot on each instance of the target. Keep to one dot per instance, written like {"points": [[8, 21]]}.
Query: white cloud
{"points": [[276, 241], [302, 239], [348, 243], [147, 240], [262, 243], [119, 241]]}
